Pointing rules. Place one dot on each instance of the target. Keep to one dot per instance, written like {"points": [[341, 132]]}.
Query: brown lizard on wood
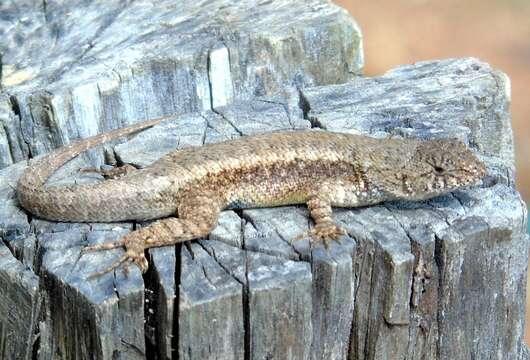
{"points": [[321, 169]]}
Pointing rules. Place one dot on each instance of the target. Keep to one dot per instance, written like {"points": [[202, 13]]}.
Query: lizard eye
{"points": [[438, 170]]}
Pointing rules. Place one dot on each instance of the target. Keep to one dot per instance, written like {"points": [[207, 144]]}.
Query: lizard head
{"points": [[434, 167]]}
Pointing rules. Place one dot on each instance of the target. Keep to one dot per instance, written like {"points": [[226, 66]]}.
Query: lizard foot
{"points": [[113, 173], [134, 243], [324, 233], [128, 257]]}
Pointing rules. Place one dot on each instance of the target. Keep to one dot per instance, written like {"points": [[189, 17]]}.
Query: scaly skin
{"points": [[321, 169]]}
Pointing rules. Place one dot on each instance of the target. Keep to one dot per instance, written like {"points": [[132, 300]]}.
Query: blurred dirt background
{"points": [[496, 31]]}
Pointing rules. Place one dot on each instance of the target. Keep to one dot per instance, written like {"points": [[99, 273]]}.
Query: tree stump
{"points": [[439, 279]]}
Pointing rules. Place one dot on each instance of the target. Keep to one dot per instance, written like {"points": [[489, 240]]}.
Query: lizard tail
{"points": [[31, 191]]}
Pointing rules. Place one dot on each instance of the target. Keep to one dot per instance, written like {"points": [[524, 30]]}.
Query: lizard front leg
{"points": [[197, 217], [325, 229]]}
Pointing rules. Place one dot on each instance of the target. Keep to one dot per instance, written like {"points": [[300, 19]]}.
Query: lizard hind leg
{"points": [[325, 229], [198, 216]]}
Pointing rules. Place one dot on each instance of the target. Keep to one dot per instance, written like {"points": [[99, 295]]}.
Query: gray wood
{"points": [[525, 353], [20, 307], [210, 317], [7, 119], [277, 301], [107, 64], [332, 312], [411, 280], [161, 329]]}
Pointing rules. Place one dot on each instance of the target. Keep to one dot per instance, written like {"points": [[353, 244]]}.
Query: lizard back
{"points": [[269, 169]]}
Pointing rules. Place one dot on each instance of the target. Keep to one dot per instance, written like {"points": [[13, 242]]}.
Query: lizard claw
{"points": [[134, 243], [114, 266], [125, 260], [324, 233], [104, 246], [131, 256]]}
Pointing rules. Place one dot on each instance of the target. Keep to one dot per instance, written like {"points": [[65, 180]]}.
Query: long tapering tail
{"points": [[31, 191]]}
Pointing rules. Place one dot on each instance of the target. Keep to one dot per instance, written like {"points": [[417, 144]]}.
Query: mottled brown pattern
{"points": [[322, 169]]}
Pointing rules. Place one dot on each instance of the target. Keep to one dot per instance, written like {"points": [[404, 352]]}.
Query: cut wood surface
{"points": [[439, 279]]}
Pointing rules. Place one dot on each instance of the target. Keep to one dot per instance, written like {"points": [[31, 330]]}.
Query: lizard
{"points": [[188, 188]]}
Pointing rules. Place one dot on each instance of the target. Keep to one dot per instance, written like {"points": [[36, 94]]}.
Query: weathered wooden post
{"points": [[443, 279]]}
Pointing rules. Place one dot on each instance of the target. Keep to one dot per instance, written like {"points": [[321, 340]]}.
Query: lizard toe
{"points": [[124, 261], [104, 246], [141, 262], [325, 233]]}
